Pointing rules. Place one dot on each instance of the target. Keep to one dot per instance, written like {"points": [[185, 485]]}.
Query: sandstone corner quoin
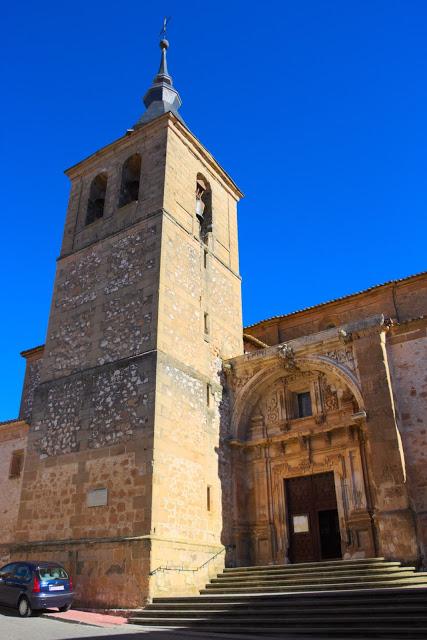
{"points": [[158, 441]]}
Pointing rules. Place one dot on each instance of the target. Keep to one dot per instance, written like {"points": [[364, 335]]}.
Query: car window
{"points": [[52, 573], [7, 571], [22, 572]]}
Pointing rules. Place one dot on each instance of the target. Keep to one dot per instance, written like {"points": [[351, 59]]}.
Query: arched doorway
{"points": [[298, 465]]}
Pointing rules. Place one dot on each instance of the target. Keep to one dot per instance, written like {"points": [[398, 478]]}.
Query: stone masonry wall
{"points": [[150, 143], [31, 380], [105, 574], [402, 301], [187, 487], [13, 437], [100, 415], [129, 400], [186, 463], [407, 350], [104, 303], [88, 473], [184, 161]]}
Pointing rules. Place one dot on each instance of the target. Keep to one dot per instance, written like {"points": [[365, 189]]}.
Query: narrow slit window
{"points": [[96, 202], [16, 464], [131, 173], [205, 259], [208, 394], [208, 497], [206, 323]]}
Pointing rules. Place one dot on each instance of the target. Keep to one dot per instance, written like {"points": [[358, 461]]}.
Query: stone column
{"points": [[396, 537]]}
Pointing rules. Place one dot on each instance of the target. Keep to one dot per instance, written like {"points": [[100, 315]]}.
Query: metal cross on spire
{"points": [[165, 24]]}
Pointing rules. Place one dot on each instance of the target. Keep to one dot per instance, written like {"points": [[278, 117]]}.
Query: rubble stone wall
{"points": [[32, 378], [100, 414], [105, 301]]}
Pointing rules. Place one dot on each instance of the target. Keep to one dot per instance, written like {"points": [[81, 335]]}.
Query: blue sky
{"points": [[317, 109]]}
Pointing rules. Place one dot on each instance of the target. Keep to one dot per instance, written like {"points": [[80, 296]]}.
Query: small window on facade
{"points": [[304, 404], [208, 394], [131, 172], [205, 259], [203, 207], [206, 323], [208, 497], [16, 464], [96, 202]]}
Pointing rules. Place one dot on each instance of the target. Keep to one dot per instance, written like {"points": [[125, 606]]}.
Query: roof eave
{"points": [[335, 300]]}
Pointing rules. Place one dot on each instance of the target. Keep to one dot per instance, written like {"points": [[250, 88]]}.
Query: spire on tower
{"points": [[161, 96]]}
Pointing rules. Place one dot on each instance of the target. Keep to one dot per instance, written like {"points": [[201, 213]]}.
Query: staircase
{"points": [[368, 598]]}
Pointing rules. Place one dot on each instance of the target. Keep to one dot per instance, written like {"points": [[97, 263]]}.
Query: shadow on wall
{"points": [[225, 474]]}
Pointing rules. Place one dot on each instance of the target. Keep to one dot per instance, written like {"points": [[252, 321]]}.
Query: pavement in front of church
{"points": [[77, 625]]}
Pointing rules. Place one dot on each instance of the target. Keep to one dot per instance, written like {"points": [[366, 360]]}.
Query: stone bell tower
{"points": [[122, 472]]}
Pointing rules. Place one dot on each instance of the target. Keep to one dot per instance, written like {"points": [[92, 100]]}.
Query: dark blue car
{"points": [[28, 586]]}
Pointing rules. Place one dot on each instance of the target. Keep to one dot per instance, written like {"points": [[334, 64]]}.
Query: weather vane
{"points": [[165, 24]]}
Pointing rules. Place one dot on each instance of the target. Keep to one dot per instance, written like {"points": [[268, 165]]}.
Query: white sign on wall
{"points": [[300, 524]]}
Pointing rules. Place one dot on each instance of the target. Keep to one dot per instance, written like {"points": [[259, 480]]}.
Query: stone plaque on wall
{"points": [[97, 498]]}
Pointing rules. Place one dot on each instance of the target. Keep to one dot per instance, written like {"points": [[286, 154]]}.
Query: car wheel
{"points": [[66, 607], [24, 608]]}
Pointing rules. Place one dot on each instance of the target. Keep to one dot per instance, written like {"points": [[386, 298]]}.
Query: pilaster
{"points": [[393, 517]]}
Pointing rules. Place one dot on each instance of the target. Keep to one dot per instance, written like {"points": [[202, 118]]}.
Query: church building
{"points": [[158, 440]]}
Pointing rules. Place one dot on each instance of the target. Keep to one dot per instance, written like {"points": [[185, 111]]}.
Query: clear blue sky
{"points": [[317, 109]]}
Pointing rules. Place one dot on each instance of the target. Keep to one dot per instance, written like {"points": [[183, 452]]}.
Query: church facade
{"points": [[158, 440]]}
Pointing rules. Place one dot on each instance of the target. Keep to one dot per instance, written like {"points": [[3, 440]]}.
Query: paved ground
{"points": [[92, 626]]}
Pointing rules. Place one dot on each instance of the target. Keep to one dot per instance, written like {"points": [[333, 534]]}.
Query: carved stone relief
{"points": [[344, 357], [239, 381], [273, 406], [287, 356], [329, 395]]}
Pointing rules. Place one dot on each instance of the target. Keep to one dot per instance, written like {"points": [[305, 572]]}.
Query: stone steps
{"points": [[293, 570], [307, 586], [395, 572], [182, 609], [329, 564], [359, 596], [346, 631], [354, 599], [236, 616], [284, 621]]}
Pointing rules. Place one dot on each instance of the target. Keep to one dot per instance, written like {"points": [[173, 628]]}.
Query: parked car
{"points": [[29, 586]]}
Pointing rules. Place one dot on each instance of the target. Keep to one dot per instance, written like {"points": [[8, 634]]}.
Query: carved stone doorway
{"points": [[312, 513]]}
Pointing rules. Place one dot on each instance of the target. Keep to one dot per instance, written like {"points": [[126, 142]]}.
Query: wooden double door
{"points": [[313, 523]]}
